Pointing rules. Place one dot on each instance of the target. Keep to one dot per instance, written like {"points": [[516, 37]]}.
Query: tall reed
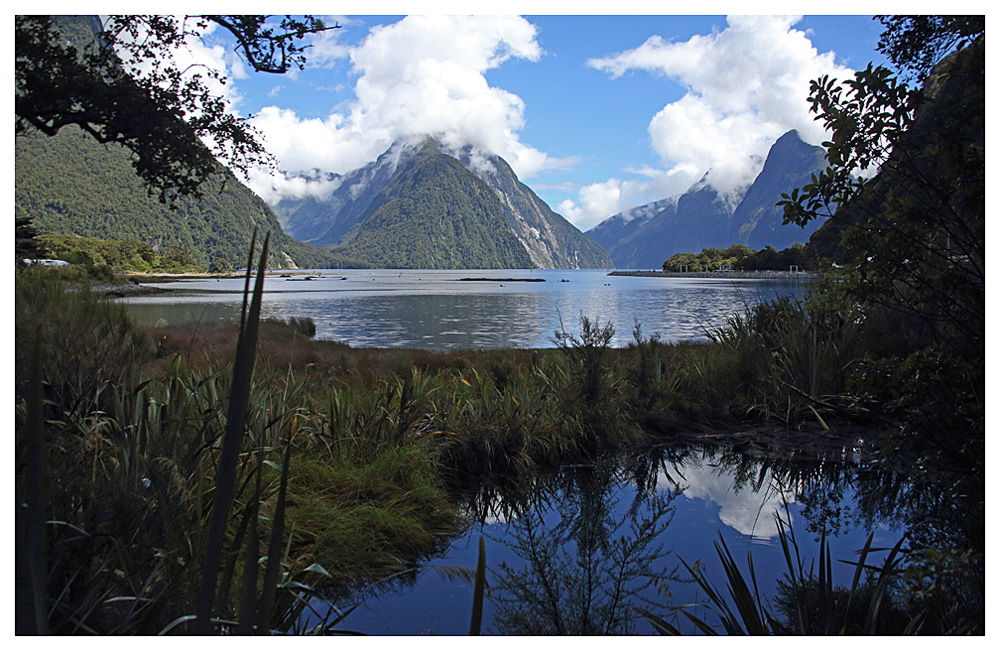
{"points": [[814, 606], [232, 442], [112, 493]]}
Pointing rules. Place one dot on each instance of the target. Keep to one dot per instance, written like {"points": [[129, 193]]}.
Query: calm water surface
{"points": [[435, 309], [573, 526]]}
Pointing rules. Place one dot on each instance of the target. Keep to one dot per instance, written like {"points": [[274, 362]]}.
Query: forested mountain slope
{"points": [[434, 214], [445, 215], [70, 184]]}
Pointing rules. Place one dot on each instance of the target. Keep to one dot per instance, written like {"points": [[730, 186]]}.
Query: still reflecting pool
{"points": [[577, 551]]}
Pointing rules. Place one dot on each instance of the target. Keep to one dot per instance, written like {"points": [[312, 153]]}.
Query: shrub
{"points": [[588, 353], [87, 344]]}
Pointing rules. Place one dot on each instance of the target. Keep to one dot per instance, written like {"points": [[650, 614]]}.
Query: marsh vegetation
{"points": [[349, 465], [229, 479]]}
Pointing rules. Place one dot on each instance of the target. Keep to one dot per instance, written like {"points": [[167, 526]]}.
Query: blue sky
{"points": [[597, 113]]}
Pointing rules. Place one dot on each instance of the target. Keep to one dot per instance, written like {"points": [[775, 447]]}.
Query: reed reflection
{"points": [[587, 558]]}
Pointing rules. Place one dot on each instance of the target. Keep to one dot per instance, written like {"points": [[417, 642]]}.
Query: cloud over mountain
{"points": [[421, 75], [745, 85]]}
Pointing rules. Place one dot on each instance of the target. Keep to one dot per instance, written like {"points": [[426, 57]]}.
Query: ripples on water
{"points": [[436, 310]]}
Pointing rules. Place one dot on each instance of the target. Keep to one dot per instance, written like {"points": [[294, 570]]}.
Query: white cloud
{"points": [[598, 201], [749, 512], [421, 75], [325, 48], [195, 57], [745, 86]]}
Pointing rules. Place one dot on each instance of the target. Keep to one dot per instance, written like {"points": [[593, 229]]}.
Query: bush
{"points": [[88, 344], [588, 353], [304, 326]]}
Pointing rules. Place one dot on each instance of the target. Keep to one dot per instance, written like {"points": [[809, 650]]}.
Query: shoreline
{"points": [[170, 277], [135, 283], [122, 290], [723, 275]]}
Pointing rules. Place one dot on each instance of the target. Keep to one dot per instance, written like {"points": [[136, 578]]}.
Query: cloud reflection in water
{"points": [[747, 511]]}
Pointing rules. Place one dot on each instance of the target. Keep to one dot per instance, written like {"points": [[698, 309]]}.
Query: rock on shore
{"points": [[123, 290]]}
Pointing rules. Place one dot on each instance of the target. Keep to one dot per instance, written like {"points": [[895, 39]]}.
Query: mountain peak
{"points": [[706, 217], [788, 136], [399, 192]]}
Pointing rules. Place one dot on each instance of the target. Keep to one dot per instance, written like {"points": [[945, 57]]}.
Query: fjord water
{"points": [[438, 310]]}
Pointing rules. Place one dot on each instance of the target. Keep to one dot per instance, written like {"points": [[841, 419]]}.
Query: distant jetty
{"points": [[724, 275]]}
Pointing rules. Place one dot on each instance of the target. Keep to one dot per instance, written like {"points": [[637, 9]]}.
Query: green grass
{"points": [[358, 520]]}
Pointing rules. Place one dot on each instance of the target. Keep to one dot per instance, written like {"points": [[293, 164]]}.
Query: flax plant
{"points": [[784, 357], [113, 492], [483, 430], [815, 605]]}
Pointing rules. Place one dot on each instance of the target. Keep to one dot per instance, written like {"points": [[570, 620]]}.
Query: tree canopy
{"points": [[121, 84], [916, 230], [915, 44], [917, 221]]}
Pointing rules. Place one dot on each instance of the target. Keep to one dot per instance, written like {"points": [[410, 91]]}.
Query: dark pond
{"points": [[574, 552]]}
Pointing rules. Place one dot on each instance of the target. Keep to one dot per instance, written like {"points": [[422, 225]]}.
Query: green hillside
{"points": [[71, 185], [931, 190], [435, 214]]}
